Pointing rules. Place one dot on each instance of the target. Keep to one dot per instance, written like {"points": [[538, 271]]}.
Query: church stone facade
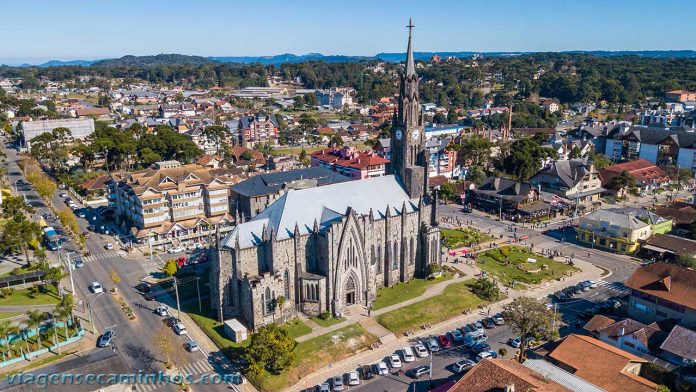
{"points": [[328, 248]]}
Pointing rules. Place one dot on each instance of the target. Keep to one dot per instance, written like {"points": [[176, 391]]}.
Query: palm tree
{"points": [[12, 331], [34, 322], [63, 314], [5, 326], [24, 332]]}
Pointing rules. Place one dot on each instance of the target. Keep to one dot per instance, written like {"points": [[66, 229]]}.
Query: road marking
{"points": [[101, 256]]}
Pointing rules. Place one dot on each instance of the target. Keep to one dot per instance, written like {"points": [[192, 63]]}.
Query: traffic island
{"points": [[125, 307]]}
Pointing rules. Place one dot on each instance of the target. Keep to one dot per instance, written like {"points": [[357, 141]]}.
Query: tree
{"points": [[34, 321], [5, 331], [448, 190], [61, 314], [20, 233], [600, 161], [336, 140], [307, 122], [14, 207], [486, 289], [476, 175], [303, 155], [620, 182], [247, 155], [280, 301], [169, 347], [475, 150], [271, 349], [525, 158], [530, 318], [115, 279], [170, 268], [452, 117], [43, 185], [687, 260]]}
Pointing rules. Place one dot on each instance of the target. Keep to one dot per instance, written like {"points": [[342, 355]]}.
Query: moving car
{"points": [[419, 371], [353, 378], [337, 383], [176, 249], [407, 352], [366, 371], [421, 351], [96, 288], [78, 263], [463, 365], [381, 368], [162, 310], [106, 339], [192, 346], [486, 354], [394, 361], [180, 329], [109, 246]]}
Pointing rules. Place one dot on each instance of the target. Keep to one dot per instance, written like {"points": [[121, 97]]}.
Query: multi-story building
{"points": [[350, 162], [510, 199], [172, 203], [259, 128], [80, 128], [662, 291], [647, 176], [616, 232], [335, 98], [443, 158], [680, 96], [575, 180]]}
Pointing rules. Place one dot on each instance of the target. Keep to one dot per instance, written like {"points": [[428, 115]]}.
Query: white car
{"points": [[192, 346], [353, 378], [408, 354], [382, 368], [96, 288], [109, 246], [394, 361], [421, 351], [162, 311], [180, 329], [433, 345], [176, 249], [593, 284], [486, 354]]}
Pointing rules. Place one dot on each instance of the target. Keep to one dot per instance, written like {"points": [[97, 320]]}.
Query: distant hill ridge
{"points": [[178, 59]]}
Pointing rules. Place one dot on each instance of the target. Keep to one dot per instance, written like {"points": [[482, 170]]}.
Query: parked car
{"points": [[337, 383], [96, 288], [419, 371], [444, 341], [479, 326], [468, 328], [106, 339], [433, 345], [394, 361], [180, 329], [408, 355], [142, 287], [463, 365], [515, 342], [176, 249], [366, 371], [421, 351], [86, 234], [81, 214], [488, 323], [192, 346], [63, 195], [486, 354], [162, 311], [324, 387], [456, 335], [499, 319], [353, 378], [480, 347], [381, 368]]}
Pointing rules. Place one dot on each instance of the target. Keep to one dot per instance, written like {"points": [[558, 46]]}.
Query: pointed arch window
{"points": [[268, 303], [287, 284], [395, 256], [379, 258]]}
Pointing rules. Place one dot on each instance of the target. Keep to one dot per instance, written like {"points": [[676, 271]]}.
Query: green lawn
{"points": [[400, 292], [452, 302], [6, 315], [25, 297], [297, 328], [465, 236], [215, 330], [328, 322], [315, 353], [509, 263]]}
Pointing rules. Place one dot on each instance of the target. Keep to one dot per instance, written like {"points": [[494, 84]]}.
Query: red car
{"points": [[444, 341]]}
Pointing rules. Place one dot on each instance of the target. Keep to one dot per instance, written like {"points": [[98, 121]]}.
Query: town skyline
{"points": [[113, 31]]}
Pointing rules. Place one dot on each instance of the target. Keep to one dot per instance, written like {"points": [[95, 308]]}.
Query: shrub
{"points": [[325, 315], [502, 352]]}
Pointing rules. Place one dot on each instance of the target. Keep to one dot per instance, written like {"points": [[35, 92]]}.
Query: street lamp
{"points": [[69, 267], [89, 308]]}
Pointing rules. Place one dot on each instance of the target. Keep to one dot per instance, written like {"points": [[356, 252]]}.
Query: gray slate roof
{"points": [[621, 220], [505, 188], [569, 172], [265, 184]]}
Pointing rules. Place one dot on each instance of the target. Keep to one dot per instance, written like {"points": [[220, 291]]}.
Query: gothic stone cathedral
{"points": [[330, 247]]}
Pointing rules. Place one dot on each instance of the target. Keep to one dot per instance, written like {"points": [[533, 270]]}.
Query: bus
{"points": [[51, 238]]}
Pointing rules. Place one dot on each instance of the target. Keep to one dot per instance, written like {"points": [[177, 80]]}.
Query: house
{"points": [[550, 105], [576, 180], [259, 128], [492, 375], [682, 214], [679, 347], [241, 154], [628, 334], [661, 291], [516, 200], [210, 161], [680, 96], [647, 176], [603, 365], [665, 247], [91, 112], [282, 163], [335, 98], [383, 148], [613, 231], [97, 185], [256, 193], [350, 162]]}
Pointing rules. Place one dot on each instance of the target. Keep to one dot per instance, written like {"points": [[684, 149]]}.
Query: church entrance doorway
{"points": [[350, 291]]}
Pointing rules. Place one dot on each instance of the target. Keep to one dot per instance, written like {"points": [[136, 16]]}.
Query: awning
{"points": [[657, 249]]}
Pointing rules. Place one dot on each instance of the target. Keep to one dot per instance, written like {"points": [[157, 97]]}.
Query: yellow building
{"points": [[613, 231]]}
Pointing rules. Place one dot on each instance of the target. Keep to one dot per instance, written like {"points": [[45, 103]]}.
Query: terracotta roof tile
{"points": [[493, 374], [666, 281]]}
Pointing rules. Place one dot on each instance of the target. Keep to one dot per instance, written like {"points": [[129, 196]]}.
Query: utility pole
{"points": [[198, 289], [72, 283], [178, 308]]}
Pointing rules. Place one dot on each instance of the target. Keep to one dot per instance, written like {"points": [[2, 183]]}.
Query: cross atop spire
{"points": [[410, 65]]}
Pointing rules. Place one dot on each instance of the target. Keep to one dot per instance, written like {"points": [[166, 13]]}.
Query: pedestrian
{"points": [[489, 310]]}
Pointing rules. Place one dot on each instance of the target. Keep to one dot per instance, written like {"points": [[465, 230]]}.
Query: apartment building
{"points": [[350, 162], [259, 128], [172, 203], [613, 231]]}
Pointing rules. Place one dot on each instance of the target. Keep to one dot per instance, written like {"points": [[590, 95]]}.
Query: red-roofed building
{"points": [[350, 162], [648, 176], [680, 96]]}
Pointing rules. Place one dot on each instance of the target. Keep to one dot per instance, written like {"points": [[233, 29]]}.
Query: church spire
{"points": [[410, 65]]}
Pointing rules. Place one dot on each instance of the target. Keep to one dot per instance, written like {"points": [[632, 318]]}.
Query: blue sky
{"points": [[38, 30]]}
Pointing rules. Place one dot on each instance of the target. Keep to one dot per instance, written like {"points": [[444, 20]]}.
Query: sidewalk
{"points": [[588, 272]]}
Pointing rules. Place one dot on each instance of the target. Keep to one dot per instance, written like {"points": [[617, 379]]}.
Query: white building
{"points": [[80, 128]]}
